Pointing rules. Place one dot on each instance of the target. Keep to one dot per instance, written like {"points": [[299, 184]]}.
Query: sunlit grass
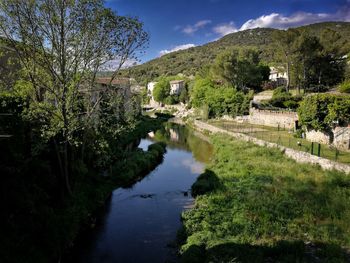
{"points": [[270, 207], [285, 138]]}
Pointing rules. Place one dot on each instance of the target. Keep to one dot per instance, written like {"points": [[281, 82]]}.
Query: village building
{"points": [[176, 87], [118, 87], [278, 75], [150, 88]]}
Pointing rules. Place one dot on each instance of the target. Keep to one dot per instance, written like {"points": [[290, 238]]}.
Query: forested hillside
{"points": [[191, 60]]}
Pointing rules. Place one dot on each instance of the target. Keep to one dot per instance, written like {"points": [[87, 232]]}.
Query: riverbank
{"points": [[256, 205], [38, 228], [299, 156], [146, 216]]}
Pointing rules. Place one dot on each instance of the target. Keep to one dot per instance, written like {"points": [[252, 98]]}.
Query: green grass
{"points": [[267, 208], [285, 138]]}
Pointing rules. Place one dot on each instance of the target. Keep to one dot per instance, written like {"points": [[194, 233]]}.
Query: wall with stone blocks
{"points": [[341, 138], [282, 119]]}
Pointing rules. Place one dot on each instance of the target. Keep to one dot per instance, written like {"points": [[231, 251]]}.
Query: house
{"points": [[105, 88], [278, 75], [150, 88], [176, 87]]}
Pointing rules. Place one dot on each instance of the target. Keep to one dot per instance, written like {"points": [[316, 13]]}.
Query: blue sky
{"points": [[180, 24]]}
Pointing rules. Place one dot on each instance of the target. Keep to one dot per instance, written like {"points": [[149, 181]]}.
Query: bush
{"points": [[283, 99], [269, 85], [220, 100], [324, 111], [318, 88], [344, 87]]}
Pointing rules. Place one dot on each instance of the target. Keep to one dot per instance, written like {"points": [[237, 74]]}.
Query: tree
{"points": [[61, 45], [239, 68], [332, 63], [285, 46], [184, 95], [307, 50], [323, 112], [161, 90]]}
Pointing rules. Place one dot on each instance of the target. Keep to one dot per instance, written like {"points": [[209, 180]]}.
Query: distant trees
{"points": [[313, 63], [240, 68], [61, 45], [285, 40]]}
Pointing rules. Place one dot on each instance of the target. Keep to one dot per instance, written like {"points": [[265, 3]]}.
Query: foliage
{"points": [[144, 96], [324, 111], [313, 62], [161, 90], [220, 100], [240, 68], [344, 87], [59, 61], [184, 96], [35, 220], [267, 208]]}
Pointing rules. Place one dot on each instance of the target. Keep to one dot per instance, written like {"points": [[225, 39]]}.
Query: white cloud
{"points": [[195, 167], [280, 21], [176, 48], [191, 29], [114, 64], [226, 28]]}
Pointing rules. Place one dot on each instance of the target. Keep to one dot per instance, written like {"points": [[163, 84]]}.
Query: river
{"points": [[139, 224]]}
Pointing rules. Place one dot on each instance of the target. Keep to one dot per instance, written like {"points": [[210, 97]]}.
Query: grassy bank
{"points": [[255, 205]]}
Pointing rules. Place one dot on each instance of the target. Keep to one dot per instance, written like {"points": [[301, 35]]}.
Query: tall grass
{"points": [[268, 208]]}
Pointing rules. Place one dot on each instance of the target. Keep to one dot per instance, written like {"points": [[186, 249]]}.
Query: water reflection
{"points": [[141, 222], [179, 136]]}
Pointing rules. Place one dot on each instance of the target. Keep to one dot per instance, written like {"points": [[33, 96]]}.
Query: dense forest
{"points": [[189, 61]]}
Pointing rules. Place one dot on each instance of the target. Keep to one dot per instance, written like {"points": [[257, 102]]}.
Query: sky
{"points": [[181, 24]]}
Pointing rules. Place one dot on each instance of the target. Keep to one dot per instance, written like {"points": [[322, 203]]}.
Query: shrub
{"points": [[269, 85], [345, 86], [324, 111]]}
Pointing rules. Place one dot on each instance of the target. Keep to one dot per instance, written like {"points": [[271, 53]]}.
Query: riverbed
{"points": [[139, 224]]}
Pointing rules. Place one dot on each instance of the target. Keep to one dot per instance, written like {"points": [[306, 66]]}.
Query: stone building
{"points": [[278, 75], [176, 87]]}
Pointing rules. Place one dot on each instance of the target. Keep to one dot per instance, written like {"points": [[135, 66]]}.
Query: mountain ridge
{"points": [[189, 61]]}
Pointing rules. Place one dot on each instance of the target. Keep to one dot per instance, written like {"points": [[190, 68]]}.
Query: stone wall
{"points": [[318, 136], [341, 137], [259, 98], [283, 119], [300, 157]]}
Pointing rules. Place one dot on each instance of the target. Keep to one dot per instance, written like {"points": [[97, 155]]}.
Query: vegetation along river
{"points": [[140, 223]]}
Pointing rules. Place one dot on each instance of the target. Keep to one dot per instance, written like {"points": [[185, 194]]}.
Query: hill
{"points": [[190, 60]]}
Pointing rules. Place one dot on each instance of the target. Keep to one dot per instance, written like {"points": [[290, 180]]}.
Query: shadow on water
{"points": [[139, 223]]}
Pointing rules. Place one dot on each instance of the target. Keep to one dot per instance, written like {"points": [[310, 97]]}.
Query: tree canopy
{"points": [[240, 68], [61, 45]]}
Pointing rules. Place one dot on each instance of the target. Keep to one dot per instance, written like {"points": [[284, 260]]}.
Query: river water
{"points": [[140, 223]]}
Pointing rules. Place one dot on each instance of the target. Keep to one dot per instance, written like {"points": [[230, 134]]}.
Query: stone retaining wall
{"points": [[282, 119], [301, 157]]}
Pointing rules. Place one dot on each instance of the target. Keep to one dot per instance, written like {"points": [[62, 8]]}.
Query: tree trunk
{"points": [[288, 75], [66, 168]]}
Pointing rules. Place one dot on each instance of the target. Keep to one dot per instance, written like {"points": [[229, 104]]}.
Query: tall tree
{"points": [[239, 68], [61, 45], [307, 51], [285, 46]]}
